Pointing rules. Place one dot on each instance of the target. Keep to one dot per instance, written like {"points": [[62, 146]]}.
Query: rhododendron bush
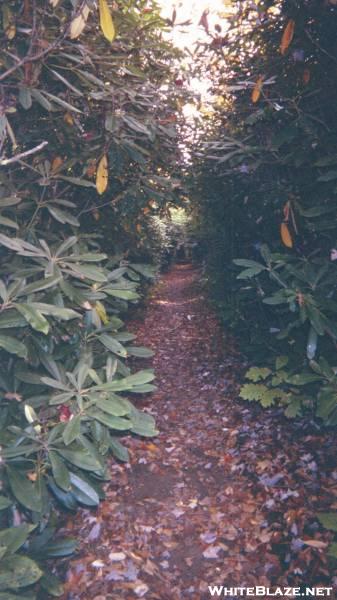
{"points": [[86, 128]]}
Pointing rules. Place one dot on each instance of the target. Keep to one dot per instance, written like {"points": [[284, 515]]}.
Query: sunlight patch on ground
{"points": [[178, 303]]}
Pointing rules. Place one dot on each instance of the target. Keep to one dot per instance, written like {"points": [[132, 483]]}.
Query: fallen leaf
{"points": [[117, 556], [98, 564], [178, 512], [315, 544], [211, 552], [141, 589], [208, 537]]}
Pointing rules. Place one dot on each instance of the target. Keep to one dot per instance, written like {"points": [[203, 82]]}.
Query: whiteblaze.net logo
{"points": [[260, 590]]}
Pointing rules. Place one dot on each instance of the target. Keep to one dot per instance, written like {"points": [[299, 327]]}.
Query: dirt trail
{"points": [[187, 512]]}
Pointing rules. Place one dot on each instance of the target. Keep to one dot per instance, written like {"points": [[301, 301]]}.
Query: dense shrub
{"points": [[265, 197], [86, 128]]}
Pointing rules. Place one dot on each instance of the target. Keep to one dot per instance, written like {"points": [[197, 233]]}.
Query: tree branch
{"points": [[17, 157]]}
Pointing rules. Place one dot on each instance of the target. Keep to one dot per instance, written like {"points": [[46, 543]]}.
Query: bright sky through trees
{"points": [[192, 11], [189, 30]]}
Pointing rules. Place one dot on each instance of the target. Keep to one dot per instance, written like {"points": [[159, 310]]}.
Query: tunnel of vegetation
{"points": [[90, 167]]}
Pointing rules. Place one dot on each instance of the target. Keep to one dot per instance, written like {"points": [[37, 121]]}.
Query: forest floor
{"points": [[227, 494]]}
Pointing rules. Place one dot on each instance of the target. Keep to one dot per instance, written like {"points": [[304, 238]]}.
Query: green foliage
{"points": [[166, 232], [21, 570], [278, 387], [256, 374], [303, 392], [73, 254], [264, 191], [260, 393], [329, 521]]}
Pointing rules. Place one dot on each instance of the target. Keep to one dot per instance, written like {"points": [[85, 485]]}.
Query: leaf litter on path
{"points": [[226, 494]]}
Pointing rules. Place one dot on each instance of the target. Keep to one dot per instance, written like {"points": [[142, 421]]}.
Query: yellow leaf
{"points": [[102, 176], [10, 31], [285, 235], [67, 118], [220, 101], [106, 22], [152, 447], [8, 22], [79, 22], [57, 162], [100, 309], [31, 417], [287, 36], [256, 93]]}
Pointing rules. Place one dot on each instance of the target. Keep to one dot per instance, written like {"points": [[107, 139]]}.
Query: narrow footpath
{"points": [[225, 495]]}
